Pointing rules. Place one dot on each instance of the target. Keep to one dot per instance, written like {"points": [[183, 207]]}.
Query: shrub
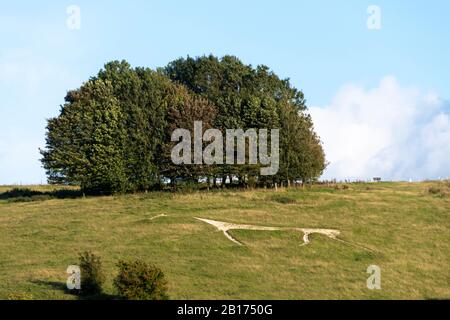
{"points": [[92, 276], [139, 281]]}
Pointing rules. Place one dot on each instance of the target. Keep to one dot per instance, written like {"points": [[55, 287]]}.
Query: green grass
{"points": [[406, 227]]}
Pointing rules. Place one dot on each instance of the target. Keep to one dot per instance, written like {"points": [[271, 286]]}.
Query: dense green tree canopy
{"points": [[113, 134], [256, 98]]}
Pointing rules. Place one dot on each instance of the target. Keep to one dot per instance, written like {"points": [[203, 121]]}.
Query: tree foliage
{"points": [[113, 134], [248, 97]]}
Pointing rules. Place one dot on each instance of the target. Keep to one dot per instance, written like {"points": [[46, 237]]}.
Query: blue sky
{"points": [[324, 47]]}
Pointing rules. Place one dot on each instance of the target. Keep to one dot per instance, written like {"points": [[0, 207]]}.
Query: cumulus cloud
{"points": [[391, 131]]}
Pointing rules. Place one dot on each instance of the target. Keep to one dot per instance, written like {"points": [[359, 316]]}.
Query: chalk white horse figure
{"points": [[226, 226]]}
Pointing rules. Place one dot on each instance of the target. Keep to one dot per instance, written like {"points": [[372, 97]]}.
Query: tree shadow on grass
{"points": [[28, 195], [61, 286]]}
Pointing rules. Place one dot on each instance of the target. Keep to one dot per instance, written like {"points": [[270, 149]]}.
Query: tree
{"points": [[248, 97], [185, 108], [114, 133], [302, 155], [85, 143], [143, 96]]}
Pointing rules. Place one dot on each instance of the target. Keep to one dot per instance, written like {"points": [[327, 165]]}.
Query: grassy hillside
{"points": [[405, 228]]}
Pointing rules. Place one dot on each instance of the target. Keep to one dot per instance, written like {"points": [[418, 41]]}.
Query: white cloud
{"points": [[390, 131]]}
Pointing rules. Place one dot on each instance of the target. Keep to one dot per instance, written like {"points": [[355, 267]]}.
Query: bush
{"points": [[139, 281], [92, 276]]}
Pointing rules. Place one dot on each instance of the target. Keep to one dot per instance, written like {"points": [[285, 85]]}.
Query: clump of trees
{"points": [[113, 134]]}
